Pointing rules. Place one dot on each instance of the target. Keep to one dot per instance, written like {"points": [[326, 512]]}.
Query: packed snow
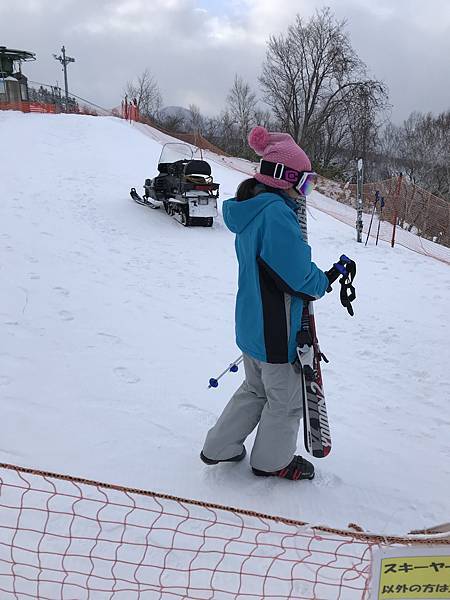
{"points": [[113, 317]]}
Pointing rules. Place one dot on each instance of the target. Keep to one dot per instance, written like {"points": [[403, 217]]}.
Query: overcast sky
{"points": [[194, 47]]}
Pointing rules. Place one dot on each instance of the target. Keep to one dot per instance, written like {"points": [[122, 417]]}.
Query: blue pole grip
{"points": [[232, 368]]}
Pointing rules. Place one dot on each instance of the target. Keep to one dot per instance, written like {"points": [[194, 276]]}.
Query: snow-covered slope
{"points": [[113, 317]]}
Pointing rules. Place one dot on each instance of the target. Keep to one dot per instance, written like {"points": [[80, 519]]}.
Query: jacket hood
{"points": [[238, 214]]}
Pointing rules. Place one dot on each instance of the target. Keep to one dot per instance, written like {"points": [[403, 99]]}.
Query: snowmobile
{"points": [[184, 187]]}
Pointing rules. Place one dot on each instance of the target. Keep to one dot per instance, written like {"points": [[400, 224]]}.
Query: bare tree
{"points": [[222, 131], [310, 74], [333, 140], [420, 148], [197, 120], [366, 114], [147, 94], [212, 128], [264, 117], [390, 161], [173, 122], [242, 104]]}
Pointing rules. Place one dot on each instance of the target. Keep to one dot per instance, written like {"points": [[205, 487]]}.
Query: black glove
{"points": [[336, 270], [346, 268]]}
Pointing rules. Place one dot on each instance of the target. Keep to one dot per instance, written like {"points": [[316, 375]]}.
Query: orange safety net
{"points": [[66, 537]]}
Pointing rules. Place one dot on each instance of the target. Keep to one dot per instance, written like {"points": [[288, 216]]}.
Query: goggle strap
{"points": [[280, 171]]}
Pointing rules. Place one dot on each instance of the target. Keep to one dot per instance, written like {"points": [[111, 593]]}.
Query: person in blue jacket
{"points": [[275, 275]]}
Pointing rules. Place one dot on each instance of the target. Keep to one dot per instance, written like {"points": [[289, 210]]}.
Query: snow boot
{"points": [[210, 461], [298, 468]]}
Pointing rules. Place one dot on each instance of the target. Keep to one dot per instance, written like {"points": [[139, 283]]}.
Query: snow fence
{"points": [[71, 538], [411, 217]]}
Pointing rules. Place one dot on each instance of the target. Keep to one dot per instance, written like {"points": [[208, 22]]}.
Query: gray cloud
{"points": [[194, 47]]}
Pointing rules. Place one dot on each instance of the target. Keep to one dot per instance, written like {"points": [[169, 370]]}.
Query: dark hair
{"points": [[246, 189]]}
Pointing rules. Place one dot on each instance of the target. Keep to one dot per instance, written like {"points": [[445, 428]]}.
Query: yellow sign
{"points": [[412, 573]]}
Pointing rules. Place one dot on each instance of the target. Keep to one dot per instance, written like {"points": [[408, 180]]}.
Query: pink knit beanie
{"points": [[277, 148]]}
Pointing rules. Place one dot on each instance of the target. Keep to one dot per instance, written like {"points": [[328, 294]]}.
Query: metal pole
{"points": [[359, 199], [5, 87], [396, 203], [65, 60], [377, 195], [380, 218], [66, 87]]}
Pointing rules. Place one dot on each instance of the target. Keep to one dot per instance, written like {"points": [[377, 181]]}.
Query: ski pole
{"points": [[377, 196], [380, 218], [232, 368]]}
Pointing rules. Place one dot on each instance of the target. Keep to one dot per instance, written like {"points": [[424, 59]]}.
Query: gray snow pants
{"points": [[270, 397]]}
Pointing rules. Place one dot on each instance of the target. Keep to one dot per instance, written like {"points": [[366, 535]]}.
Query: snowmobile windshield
{"points": [[173, 152]]}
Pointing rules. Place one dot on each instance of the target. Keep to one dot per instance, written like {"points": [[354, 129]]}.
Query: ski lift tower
{"points": [[65, 60], [13, 83]]}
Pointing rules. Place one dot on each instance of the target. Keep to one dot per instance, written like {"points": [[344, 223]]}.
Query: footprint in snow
{"points": [[34, 276], [61, 290], [114, 339], [204, 416], [5, 380], [324, 479], [10, 452], [126, 375], [66, 315]]}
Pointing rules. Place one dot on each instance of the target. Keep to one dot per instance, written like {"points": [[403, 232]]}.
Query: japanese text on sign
{"points": [[412, 573]]}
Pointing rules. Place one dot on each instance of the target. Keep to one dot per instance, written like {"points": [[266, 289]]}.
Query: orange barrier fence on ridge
{"points": [[65, 537], [412, 216]]}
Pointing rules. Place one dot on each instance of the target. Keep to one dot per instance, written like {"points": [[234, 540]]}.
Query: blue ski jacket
{"points": [[275, 275]]}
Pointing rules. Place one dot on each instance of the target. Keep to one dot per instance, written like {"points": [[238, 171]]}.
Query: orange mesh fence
{"points": [[418, 220], [131, 112], [415, 218], [413, 209], [64, 537], [25, 106], [43, 107], [412, 216]]}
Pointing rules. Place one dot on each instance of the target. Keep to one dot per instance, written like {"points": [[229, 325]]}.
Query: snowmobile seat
{"points": [[197, 167], [176, 168], [163, 168]]}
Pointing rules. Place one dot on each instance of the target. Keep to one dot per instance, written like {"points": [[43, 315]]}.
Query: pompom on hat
{"points": [[277, 148]]}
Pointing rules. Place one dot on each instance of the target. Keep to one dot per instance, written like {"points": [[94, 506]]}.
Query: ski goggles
{"points": [[307, 183], [303, 181]]}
